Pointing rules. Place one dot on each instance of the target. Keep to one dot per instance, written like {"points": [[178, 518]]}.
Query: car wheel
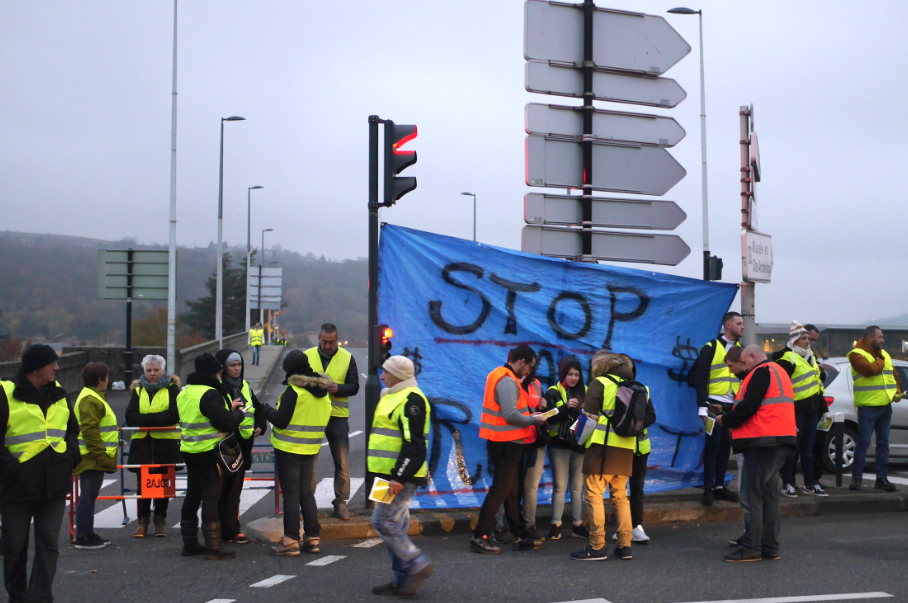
{"points": [[849, 443]]}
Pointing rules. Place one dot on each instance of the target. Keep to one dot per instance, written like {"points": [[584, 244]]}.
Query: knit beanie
{"points": [[37, 356], [208, 365], [399, 366], [296, 363], [795, 332]]}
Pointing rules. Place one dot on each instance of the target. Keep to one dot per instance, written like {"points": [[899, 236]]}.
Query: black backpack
{"points": [[630, 407]]}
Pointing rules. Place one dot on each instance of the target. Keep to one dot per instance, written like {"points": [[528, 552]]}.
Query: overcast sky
{"points": [[86, 109]]}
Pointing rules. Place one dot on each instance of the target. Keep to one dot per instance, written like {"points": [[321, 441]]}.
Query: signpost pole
{"points": [[127, 355], [748, 289], [587, 199]]}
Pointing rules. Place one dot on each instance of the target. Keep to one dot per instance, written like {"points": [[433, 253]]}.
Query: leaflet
{"points": [[381, 491]]}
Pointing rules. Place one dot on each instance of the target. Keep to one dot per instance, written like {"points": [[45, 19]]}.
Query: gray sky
{"points": [[86, 128]]}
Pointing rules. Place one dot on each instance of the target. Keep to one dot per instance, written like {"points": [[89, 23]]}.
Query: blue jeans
{"points": [[391, 521], [255, 353], [90, 483], [870, 419], [807, 434]]}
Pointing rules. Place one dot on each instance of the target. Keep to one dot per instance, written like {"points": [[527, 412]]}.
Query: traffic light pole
{"points": [[373, 385]]}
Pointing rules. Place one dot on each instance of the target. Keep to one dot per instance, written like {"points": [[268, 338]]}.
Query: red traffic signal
{"points": [[380, 345], [397, 160]]}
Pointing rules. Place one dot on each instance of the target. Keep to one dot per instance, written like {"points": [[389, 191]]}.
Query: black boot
{"points": [[190, 532], [214, 551]]}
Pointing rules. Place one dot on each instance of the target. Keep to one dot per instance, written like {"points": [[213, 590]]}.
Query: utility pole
{"points": [[172, 259], [748, 303]]}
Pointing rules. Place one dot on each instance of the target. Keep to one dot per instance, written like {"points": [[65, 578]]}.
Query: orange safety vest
{"points": [[534, 394], [492, 424], [776, 415]]}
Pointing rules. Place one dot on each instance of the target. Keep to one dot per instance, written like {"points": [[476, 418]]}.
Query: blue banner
{"points": [[457, 307]]}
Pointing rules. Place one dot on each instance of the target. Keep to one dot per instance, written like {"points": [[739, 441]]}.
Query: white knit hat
{"points": [[795, 332], [399, 366]]}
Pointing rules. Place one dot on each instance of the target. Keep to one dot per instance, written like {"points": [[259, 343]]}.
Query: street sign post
{"points": [[605, 245], [545, 78], [567, 210], [608, 126]]}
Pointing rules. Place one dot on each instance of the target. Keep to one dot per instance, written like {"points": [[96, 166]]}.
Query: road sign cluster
{"points": [[582, 51]]}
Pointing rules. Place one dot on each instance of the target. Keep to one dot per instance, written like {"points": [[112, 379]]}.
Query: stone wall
{"points": [[186, 357]]}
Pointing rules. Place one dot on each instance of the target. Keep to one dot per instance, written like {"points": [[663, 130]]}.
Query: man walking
{"points": [[256, 338], [338, 364], [762, 424], [716, 389], [506, 421], [876, 387]]}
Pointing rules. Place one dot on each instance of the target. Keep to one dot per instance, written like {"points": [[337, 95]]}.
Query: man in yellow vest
{"points": [[256, 339], [338, 364], [397, 454], [40, 449], [876, 387], [716, 389]]}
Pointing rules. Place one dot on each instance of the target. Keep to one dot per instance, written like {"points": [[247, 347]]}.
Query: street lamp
{"points": [[688, 11], [249, 246], [261, 273], [219, 302], [474, 212]]}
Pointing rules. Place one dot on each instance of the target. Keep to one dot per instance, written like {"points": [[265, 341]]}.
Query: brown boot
{"points": [[142, 528], [160, 526]]}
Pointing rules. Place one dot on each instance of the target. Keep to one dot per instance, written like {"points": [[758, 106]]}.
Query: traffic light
{"points": [[715, 268], [381, 345], [397, 161]]}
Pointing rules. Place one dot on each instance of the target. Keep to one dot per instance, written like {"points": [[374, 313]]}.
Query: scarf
{"points": [[153, 388], [805, 353], [235, 385], [399, 387]]}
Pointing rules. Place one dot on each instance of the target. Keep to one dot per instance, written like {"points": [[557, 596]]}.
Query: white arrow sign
{"points": [[567, 243], [622, 40], [543, 78], [637, 128], [616, 168], [609, 213]]}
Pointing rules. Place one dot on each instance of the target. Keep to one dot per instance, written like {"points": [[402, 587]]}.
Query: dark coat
{"points": [[149, 450]]}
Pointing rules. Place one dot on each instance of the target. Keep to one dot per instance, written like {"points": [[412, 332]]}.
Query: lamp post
{"points": [[261, 270], [474, 212], [219, 301], [172, 254], [699, 13], [249, 247]]}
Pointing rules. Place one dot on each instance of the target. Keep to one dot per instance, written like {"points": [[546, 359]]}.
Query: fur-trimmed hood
{"points": [[320, 380], [174, 380], [619, 365]]}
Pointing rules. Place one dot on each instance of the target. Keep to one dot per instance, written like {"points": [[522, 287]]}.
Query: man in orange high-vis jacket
{"points": [[762, 423], [506, 421]]}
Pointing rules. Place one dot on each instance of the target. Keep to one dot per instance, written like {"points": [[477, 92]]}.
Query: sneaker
{"points": [[771, 556], [789, 491], [590, 554], [504, 537], [623, 552], [241, 539], [88, 543], [484, 546], [535, 534], [855, 483], [735, 542], [821, 487], [411, 582], [726, 495], [708, 495], [814, 491], [527, 544], [385, 589], [100, 540], [740, 555], [555, 532], [580, 532], [883, 484], [638, 535], [287, 547]]}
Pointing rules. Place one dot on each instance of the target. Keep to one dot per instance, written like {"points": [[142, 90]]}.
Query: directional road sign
{"points": [[614, 246], [637, 128], [622, 40], [554, 79], [144, 271], [616, 168], [270, 281], [609, 213]]}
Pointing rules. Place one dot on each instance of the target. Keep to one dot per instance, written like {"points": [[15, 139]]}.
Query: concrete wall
{"points": [[69, 374], [186, 357]]}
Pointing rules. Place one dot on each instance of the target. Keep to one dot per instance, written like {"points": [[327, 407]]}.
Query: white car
{"points": [[840, 399]]}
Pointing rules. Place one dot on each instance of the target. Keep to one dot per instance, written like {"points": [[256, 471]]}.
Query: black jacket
{"points": [[701, 369], [149, 450], [212, 406], [747, 407], [48, 475], [413, 452]]}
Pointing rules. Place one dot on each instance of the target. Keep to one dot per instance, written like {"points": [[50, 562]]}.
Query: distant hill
{"points": [[51, 283], [896, 321]]}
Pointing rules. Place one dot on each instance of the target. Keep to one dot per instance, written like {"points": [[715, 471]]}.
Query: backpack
{"points": [[630, 407]]}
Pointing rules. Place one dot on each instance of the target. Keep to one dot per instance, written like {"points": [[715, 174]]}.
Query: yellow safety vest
{"points": [[196, 432], [721, 381], [643, 444], [805, 380], [306, 430], [160, 402], [29, 431], [874, 391], [256, 336], [609, 394], [248, 424], [337, 370], [390, 427], [107, 426], [559, 387]]}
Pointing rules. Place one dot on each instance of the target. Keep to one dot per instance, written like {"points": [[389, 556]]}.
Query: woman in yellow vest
{"points": [[99, 438], [153, 403], [298, 428]]}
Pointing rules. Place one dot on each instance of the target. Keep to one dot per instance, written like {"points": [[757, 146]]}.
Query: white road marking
{"points": [[221, 601], [844, 597], [269, 582], [355, 433], [326, 560], [324, 491], [368, 544], [588, 601]]}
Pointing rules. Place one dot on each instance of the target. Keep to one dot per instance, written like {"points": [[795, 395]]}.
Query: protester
{"points": [[876, 387], [505, 424], [716, 389], [298, 422], [99, 439], [207, 415], [252, 426], [637, 480], [762, 424], [397, 454], [256, 339], [40, 449], [153, 403], [340, 366], [565, 454]]}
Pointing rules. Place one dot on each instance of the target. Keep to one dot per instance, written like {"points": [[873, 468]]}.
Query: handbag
{"points": [[229, 454]]}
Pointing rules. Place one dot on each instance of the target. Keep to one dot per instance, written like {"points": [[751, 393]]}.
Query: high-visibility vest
{"points": [[196, 432], [29, 430], [390, 427], [721, 381], [337, 370], [107, 426], [493, 425], [247, 426], [805, 380], [256, 336], [562, 392], [643, 444], [609, 395], [306, 430], [160, 402], [776, 415], [874, 391]]}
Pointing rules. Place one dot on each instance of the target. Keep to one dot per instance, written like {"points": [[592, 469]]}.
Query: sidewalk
{"points": [[258, 376]]}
